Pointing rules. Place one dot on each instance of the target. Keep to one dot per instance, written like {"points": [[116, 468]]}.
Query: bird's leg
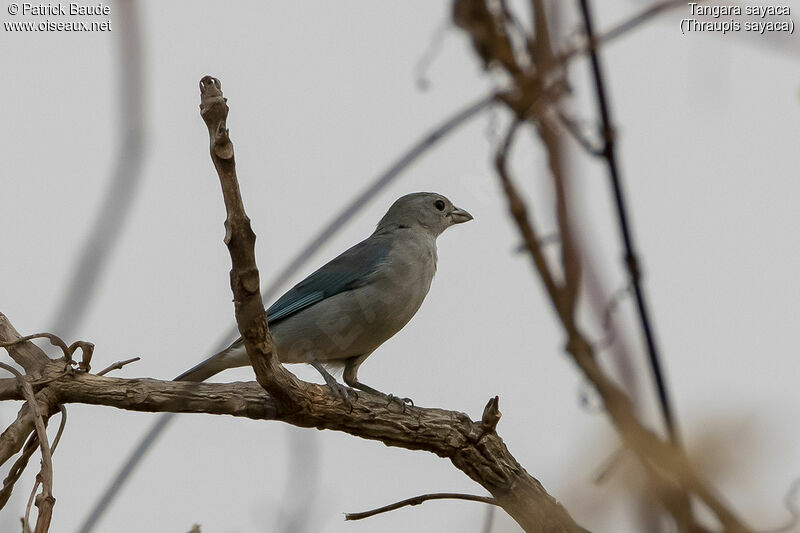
{"points": [[351, 379], [337, 388], [391, 397]]}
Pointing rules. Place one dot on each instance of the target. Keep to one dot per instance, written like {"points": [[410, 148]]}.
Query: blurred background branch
{"points": [[488, 26]]}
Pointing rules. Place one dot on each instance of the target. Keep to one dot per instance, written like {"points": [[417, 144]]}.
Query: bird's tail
{"points": [[230, 357]]}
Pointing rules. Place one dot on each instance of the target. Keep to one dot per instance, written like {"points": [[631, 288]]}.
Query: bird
{"points": [[341, 313]]}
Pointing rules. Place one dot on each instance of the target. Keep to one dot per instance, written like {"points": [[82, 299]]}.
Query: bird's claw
{"points": [[402, 401], [343, 392]]}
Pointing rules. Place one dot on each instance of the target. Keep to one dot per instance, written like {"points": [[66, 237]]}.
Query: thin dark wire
{"points": [[631, 259], [126, 177], [413, 153]]}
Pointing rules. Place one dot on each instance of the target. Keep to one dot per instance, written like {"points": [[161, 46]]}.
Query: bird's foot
{"points": [[342, 391], [390, 398], [403, 402]]}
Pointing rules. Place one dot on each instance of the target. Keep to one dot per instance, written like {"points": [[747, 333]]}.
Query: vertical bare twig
{"points": [[631, 256], [240, 240], [44, 501]]}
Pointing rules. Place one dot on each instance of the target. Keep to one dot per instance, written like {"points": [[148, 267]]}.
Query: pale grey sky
{"points": [[323, 97]]}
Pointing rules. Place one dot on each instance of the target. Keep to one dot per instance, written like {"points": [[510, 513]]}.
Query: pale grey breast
{"points": [[357, 321]]}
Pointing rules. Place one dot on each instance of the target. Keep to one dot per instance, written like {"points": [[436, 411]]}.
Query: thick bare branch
{"points": [[17, 468], [473, 447], [27, 355], [14, 436]]}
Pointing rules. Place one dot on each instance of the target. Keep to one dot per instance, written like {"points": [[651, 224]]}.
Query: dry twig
{"points": [[416, 500], [44, 501], [117, 365]]}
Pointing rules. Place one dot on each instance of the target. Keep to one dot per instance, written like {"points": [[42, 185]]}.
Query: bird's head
{"points": [[423, 210]]}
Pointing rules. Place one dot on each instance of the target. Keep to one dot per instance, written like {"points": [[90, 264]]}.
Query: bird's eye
{"points": [[439, 204]]}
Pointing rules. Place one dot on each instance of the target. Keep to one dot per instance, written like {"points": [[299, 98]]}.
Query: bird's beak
{"points": [[459, 216]]}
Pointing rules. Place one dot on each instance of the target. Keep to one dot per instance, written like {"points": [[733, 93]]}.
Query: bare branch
{"points": [[631, 257], [608, 316], [572, 128], [17, 468], [479, 453], [416, 500], [45, 501], [646, 445], [87, 348], [635, 21], [118, 365], [240, 240], [17, 432], [19, 465], [626, 26], [519, 212], [25, 354], [55, 340]]}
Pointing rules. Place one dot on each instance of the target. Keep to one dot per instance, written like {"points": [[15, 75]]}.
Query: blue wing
{"points": [[348, 271]]}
